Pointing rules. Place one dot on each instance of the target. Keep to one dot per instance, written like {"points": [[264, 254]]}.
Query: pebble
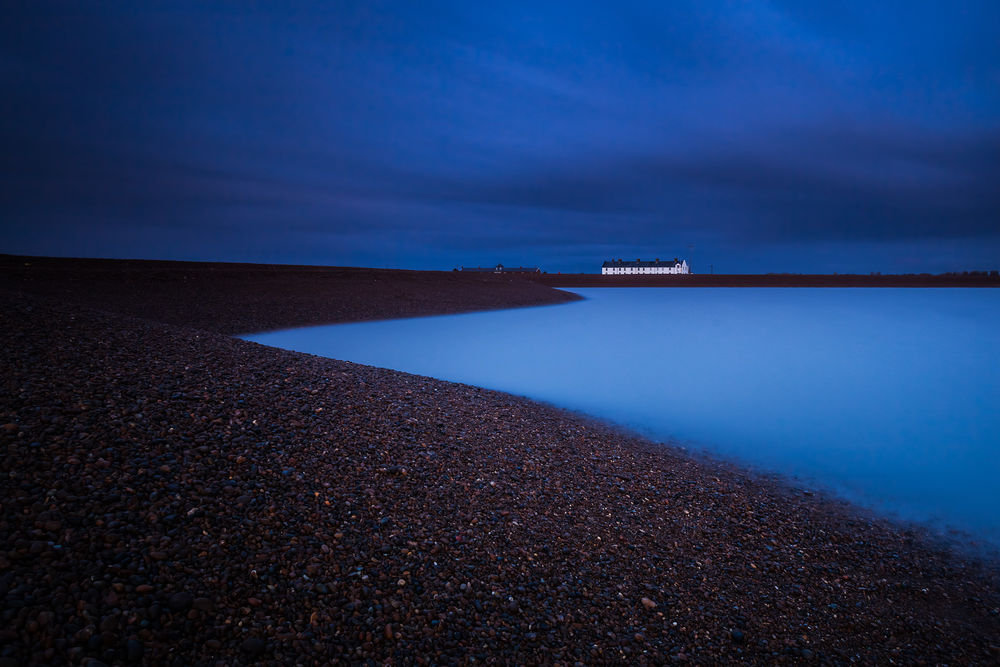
{"points": [[133, 650], [181, 601], [253, 646]]}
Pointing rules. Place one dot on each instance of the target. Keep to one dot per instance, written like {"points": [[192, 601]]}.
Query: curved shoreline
{"points": [[242, 298], [175, 494]]}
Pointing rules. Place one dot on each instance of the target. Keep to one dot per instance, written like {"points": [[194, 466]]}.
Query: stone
{"points": [[203, 604], [253, 646], [180, 601], [133, 650]]}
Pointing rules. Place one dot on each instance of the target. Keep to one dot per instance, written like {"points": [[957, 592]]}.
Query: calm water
{"points": [[889, 397]]}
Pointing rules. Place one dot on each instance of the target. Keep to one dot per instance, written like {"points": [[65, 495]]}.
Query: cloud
{"points": [[447, 126], [821, 183]]}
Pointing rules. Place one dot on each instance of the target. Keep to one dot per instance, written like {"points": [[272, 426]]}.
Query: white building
{"points": [[617, 267]]}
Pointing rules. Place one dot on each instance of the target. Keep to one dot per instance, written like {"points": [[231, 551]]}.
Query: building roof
{"points": [[619, 263]]}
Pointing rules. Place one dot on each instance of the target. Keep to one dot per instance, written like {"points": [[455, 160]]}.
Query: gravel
{"points": [[175, 496], [244, 298]]}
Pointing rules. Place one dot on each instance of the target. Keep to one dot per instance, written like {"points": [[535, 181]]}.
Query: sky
{"points": [[745, 136]]}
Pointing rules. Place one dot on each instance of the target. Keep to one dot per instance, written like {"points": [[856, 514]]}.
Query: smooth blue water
{"points": [[890, 397]]}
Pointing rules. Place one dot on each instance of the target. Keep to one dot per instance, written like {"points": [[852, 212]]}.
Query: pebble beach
{"points": [[175, 496]]}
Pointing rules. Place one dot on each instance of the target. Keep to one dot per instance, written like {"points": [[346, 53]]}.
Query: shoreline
{"points": [[173, 493], [243, 298], [569, 280]]}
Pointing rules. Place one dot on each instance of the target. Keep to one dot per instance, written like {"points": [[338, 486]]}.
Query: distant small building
{"points": [[618, 267], [500, 268]]}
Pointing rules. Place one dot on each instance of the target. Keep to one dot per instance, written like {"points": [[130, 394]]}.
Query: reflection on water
{"points": [[890, 397]]}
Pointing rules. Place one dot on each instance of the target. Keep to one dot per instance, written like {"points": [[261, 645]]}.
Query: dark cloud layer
{"points": [[763, 136]]}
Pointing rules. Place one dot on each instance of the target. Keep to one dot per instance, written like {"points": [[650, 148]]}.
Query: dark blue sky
{"points": [[791, 135]]}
